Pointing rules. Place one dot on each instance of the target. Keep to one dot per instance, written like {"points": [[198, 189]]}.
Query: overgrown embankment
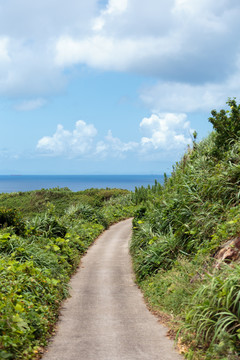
{"points": [[38, 254], [178, 232]]}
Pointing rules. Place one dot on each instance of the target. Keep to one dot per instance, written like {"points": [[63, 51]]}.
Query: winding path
{"points": [[106, 318]]}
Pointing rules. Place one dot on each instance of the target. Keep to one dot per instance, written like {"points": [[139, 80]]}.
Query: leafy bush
{"points": [[47, 225], [86, 212], [29, 301], [227, 126], [11, 217], [159, 252], [143, 194]]}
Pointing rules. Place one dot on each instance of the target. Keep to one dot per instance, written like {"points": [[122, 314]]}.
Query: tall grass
{"points": [[214, 313], [184, 222]]}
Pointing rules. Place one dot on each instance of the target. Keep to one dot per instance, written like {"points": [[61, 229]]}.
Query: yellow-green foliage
{"points": [[36, 263]]}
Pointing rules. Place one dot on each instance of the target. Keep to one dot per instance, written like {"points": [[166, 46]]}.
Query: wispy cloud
{"points": [[180, 96], [4, 53], [9, 154], [29, 105], [114, 147]]}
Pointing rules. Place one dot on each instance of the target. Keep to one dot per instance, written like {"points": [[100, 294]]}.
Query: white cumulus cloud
{"points": [[165, 132], [69, 143], [161, 134]]}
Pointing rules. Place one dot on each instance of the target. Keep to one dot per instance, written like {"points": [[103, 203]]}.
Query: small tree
{"points": [[227, 126]]}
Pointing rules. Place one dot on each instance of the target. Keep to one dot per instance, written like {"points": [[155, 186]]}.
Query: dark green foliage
{"points": [[139, 214], [227, 126], [103, 195], [87, 212], [142, 194], [47, 226], [11, 217], [155, 253]]}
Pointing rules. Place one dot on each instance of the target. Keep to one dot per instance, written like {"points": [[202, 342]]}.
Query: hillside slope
{"points": [[186, 242]]}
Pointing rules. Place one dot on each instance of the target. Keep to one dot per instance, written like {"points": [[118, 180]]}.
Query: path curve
{"points": [[106, 317]]}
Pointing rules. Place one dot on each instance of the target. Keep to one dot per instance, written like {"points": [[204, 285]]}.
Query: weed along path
{"points": [[106, 318]]}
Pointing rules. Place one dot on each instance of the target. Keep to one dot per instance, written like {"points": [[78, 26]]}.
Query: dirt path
{"points": [[106, 318]]}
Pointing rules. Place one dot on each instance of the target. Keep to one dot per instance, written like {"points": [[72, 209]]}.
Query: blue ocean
{"points": [[13, 183]]}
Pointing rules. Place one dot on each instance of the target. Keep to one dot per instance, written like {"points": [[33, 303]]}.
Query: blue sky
{"points": [[112, 87]]}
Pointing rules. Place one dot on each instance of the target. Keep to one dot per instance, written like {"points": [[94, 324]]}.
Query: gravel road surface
{"points": [[106, 317]]}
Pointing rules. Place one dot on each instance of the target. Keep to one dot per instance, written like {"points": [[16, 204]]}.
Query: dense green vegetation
{"points": [[178, 231], [42, 237]]}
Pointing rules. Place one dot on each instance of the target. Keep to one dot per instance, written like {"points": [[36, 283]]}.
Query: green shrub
{"points": [[29, 301], [159, 252], [86, 212], [11, 217], [47, 225], [227, 127]]}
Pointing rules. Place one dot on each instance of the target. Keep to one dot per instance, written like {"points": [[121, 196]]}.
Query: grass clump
{"points": [[214, 313]]}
